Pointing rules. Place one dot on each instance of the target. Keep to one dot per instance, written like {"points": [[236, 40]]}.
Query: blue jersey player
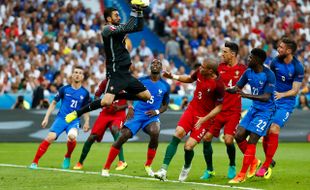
{"points": [[72, 97], [289, 74], [144, 116], [258, 119]]}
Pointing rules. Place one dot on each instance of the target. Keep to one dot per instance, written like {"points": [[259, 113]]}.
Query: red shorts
{"points": [[228, 119], [188, 121], [105, 121]]}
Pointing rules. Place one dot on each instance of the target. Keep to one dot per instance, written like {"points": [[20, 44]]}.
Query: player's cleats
{"points": [[71, 116], [240, 178], [149, 171], [184, 173], [66, 163], [161, 174], [105, 173], [33, 166], [207, 174], [264, 172], [253, 167], [231, 172], [78, 166], [121, 166]]}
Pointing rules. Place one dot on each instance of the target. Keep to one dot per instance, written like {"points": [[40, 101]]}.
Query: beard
{"points": [[282, 57]]}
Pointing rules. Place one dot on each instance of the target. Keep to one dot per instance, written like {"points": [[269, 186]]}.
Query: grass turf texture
{"points": [[291, 172]]}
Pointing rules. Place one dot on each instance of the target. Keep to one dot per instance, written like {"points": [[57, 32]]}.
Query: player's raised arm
{"points": [[181, 78], [134, 24]]}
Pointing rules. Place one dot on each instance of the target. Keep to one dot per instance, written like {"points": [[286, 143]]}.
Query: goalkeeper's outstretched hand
{"points": [[139, 5]]}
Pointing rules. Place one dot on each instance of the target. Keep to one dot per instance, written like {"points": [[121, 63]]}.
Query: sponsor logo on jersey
{"points": [[112, 28]]}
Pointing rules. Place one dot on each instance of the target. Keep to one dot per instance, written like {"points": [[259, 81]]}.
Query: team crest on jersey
{"points": [[208, 90], [81, 97], [111, 88], [160, 91], [237, 72], [112, 28]]}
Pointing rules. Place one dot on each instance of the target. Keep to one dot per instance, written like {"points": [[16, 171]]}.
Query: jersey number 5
{"points": [[151, 101]]}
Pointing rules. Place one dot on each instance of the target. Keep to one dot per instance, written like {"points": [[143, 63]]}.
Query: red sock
{"points": [[150, 156], [70, 147], [265, 143], [243, 146], [249, 155], [112, 155], [271, 149], [41, 150]]}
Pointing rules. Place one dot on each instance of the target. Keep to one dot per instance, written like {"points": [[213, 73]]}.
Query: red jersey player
{"points": [[111, 117], [230, 71], [206, 103]]}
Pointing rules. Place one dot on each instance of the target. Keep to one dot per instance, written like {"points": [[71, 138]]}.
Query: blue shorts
{"points": [[60, 125], [257, 121], [281, 116], [140, 121]]}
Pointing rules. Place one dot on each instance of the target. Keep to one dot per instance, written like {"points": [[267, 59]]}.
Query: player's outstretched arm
{"points": [[134, 24], [50, 109], [181, 78]]}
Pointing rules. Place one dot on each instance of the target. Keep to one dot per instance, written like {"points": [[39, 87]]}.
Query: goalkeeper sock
{"points": [[90, 107]]}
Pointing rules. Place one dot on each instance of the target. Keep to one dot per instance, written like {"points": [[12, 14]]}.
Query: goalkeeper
{"points": [[118, 61]]}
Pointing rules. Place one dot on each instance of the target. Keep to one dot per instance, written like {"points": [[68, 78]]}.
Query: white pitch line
{"points": [[129, 176]]}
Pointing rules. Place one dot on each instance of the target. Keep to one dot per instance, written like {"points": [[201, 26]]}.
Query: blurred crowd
{"points": [[195, 29], [42, 40]]}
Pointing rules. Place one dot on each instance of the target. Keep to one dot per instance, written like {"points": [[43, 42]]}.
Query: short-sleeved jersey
{"points": [[261, 83], [71, 99], [230, 76], [159, 90], [208, 93], [109, 109], [286, 74]]}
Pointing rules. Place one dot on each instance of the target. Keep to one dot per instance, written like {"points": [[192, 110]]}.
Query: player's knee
{"points": [[92, 138], [51, 137], [72, 134], [106, 102], [229, 140], [274, 129], [208, 137], [238, 138]]}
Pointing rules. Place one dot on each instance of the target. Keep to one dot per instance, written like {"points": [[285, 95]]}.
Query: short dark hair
{"points": [[78, 67], [290, 44], [108, 12], [232, 46], [260, 54]]}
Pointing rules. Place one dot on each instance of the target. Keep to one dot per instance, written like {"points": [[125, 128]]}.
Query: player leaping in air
{"points": [[118, 61]]}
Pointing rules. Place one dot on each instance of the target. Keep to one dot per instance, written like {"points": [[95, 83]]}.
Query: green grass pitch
{"points": [[291, 172]]}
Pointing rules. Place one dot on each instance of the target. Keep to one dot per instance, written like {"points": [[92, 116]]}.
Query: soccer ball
{"points": [[146, 3], [143, 3]]}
